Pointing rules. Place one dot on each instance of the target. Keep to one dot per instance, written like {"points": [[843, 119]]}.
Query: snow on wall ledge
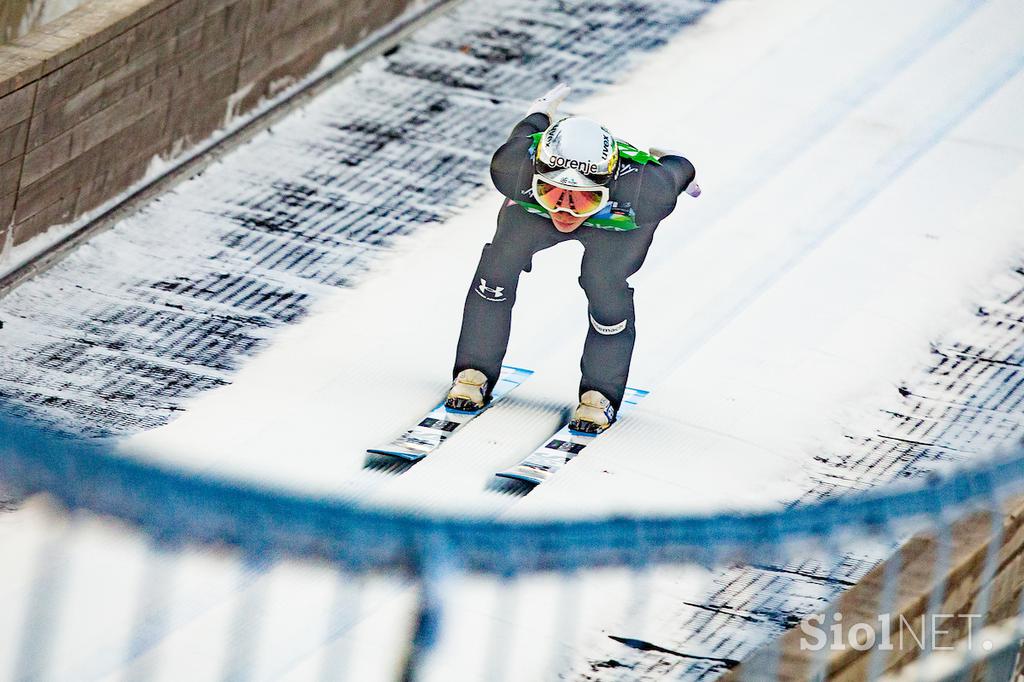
{"points": [[87, 100]]}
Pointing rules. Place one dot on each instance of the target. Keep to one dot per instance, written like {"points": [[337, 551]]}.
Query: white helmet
{"points": [[577, 152]]}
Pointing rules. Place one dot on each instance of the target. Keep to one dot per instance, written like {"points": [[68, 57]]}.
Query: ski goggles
{"points": [[581, 203]]}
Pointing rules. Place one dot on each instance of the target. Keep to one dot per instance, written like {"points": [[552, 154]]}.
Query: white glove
{"points": [[551, 100], [693, 189]]}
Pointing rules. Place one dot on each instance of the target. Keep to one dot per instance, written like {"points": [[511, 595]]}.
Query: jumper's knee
{"points": [[610, 305], [613, 292], [505, 259], [497, 276]]}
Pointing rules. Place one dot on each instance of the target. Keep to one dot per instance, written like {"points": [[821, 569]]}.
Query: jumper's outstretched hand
{"points": [[550, 101]]}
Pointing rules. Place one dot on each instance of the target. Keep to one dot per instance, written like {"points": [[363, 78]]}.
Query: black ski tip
{"points": [[385, 464], [407, 456], [512, 487]]}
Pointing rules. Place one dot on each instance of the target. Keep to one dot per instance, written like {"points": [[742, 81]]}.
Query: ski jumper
{"points": [[643, 192]]}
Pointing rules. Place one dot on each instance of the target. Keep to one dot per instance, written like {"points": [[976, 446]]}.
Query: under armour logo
{"points": [[489, 293]]}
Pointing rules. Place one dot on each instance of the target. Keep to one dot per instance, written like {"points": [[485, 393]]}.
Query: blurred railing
{"points": [[952, 520]]}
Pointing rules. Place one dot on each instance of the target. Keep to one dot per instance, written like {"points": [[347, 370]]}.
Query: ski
{"points": [[440, 423], [548, 459]]}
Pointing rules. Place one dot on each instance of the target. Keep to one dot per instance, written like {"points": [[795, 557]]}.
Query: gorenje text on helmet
{"points": [[587, 167]]}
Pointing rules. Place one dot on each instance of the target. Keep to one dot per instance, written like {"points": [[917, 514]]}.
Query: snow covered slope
{"points": [[861, 166]]}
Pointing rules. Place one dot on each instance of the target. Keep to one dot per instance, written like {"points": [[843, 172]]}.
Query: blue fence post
{"points": [[435, 565]]}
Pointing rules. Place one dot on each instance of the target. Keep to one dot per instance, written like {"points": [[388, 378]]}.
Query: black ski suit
{"points": [[645, 192]]}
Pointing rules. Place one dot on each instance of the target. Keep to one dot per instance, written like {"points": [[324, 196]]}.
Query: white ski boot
{"points": [[594, 414], [468, 393]]}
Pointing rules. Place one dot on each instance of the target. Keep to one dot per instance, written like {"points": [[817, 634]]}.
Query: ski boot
{"points": [[594, 414], [469, 392]]}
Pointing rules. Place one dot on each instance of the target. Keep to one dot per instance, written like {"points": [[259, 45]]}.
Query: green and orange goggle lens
{"points": [[581, 203]]}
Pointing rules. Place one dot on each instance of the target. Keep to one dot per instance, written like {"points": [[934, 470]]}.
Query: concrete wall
{"points": [[89, 99]]}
